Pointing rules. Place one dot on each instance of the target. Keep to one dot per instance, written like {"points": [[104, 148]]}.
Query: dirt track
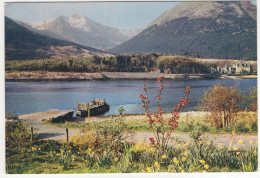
{"points": [[35, 120]]}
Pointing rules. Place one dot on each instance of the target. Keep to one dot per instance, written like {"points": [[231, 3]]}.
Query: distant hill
{"points": [[81, 30], [224, 30], [21, 43]]}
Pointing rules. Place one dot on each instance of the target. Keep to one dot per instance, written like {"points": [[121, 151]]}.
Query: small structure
{"points": [[96, 107], [243, 68], [237, 68]]}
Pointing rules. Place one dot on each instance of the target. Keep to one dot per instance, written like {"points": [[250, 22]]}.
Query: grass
{"points": [[184, 124], [68, 158], [104, 150]]}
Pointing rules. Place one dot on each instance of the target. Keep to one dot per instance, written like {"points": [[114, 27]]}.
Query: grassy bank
{"points": [[246, 123], [90, 153], [52, 158]]}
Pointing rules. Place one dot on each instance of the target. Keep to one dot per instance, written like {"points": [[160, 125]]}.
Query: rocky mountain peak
{"points": [[225, 30], [195, 10]]}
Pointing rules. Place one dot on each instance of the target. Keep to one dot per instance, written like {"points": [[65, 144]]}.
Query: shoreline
{"points": [[83, 76]]}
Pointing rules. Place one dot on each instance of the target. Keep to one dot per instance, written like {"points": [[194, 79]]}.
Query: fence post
{"points": [[232, 140], [32, 133], [67, 134]]}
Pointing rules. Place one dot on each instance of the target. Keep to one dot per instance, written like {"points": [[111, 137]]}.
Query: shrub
{"points": [[17, 136], [223, 103], [160, 124], [112, 132], [88, 139], [253, 99], [11, 116]]}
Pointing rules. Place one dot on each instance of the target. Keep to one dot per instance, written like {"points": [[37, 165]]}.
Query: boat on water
{"points": [[96, 107]]}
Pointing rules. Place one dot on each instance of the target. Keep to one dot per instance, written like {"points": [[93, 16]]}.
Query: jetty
{"points": [[44, 131], [54, 115]]}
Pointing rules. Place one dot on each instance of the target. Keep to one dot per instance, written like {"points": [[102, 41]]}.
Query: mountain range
{"points": [[81, 30], [21, 43], [210, 29], [225, 30]]}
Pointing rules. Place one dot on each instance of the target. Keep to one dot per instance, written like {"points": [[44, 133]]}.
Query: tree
{"points": [[223, 103], [121, 110], [253, 99], [162, 126]]}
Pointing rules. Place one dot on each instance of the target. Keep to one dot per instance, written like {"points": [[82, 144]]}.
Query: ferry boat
{"points": [[96, 107]]}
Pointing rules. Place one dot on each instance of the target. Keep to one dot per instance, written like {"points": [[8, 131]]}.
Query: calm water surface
{"points": [[30, 97]]}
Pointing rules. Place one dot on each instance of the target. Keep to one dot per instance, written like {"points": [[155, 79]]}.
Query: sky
{"points": [[121, 15]]}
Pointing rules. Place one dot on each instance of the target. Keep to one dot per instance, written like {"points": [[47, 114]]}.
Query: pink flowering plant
{"points": [[162, 126]]}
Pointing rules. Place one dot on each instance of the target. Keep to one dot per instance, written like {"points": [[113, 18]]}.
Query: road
{"points": [[36, 120]]}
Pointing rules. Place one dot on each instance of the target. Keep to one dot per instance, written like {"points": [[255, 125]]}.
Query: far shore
{"points": [[81, 76]]}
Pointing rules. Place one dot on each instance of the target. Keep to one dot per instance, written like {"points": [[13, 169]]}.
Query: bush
{"points": [[17, 136], [157, 121], [253, 99], [112, 132], [223, 103], [88, 139]]}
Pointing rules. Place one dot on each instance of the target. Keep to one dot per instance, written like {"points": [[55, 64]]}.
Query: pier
{"points": [[36, 121]]}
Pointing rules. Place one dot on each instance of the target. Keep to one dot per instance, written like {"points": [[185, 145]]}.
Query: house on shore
{"points": [[237, 68]]}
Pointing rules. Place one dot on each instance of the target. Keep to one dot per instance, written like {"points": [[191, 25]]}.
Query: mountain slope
{"points": [[213, 29], [21, 43], [81, 30]]}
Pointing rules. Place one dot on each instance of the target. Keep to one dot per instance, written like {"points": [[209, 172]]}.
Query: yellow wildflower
{"points": [[39, 149], [252, 142], [89, 150], [206, 166], [254, 152], [208, 142], [220, 147], [185, 153], [164, 156], [202, 161], [69, 151], [156, 164], [176, 161], [186, 144], [116, 159], [183, 159], [201, 142], [86, 161], [93, 153], [180, 168], [237, 153], [151, 149], [240, 142], [235, 148], [179, 145], [149, 169], [33, 148]]}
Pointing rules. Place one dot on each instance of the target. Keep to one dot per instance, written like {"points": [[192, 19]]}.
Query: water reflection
{"points": [[29, 97]]}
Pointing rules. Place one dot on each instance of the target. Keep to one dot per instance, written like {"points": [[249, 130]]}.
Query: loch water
{"points": [[30, 97]]}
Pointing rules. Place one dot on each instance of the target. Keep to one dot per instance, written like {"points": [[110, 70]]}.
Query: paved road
{"points": [[36, 120]]}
